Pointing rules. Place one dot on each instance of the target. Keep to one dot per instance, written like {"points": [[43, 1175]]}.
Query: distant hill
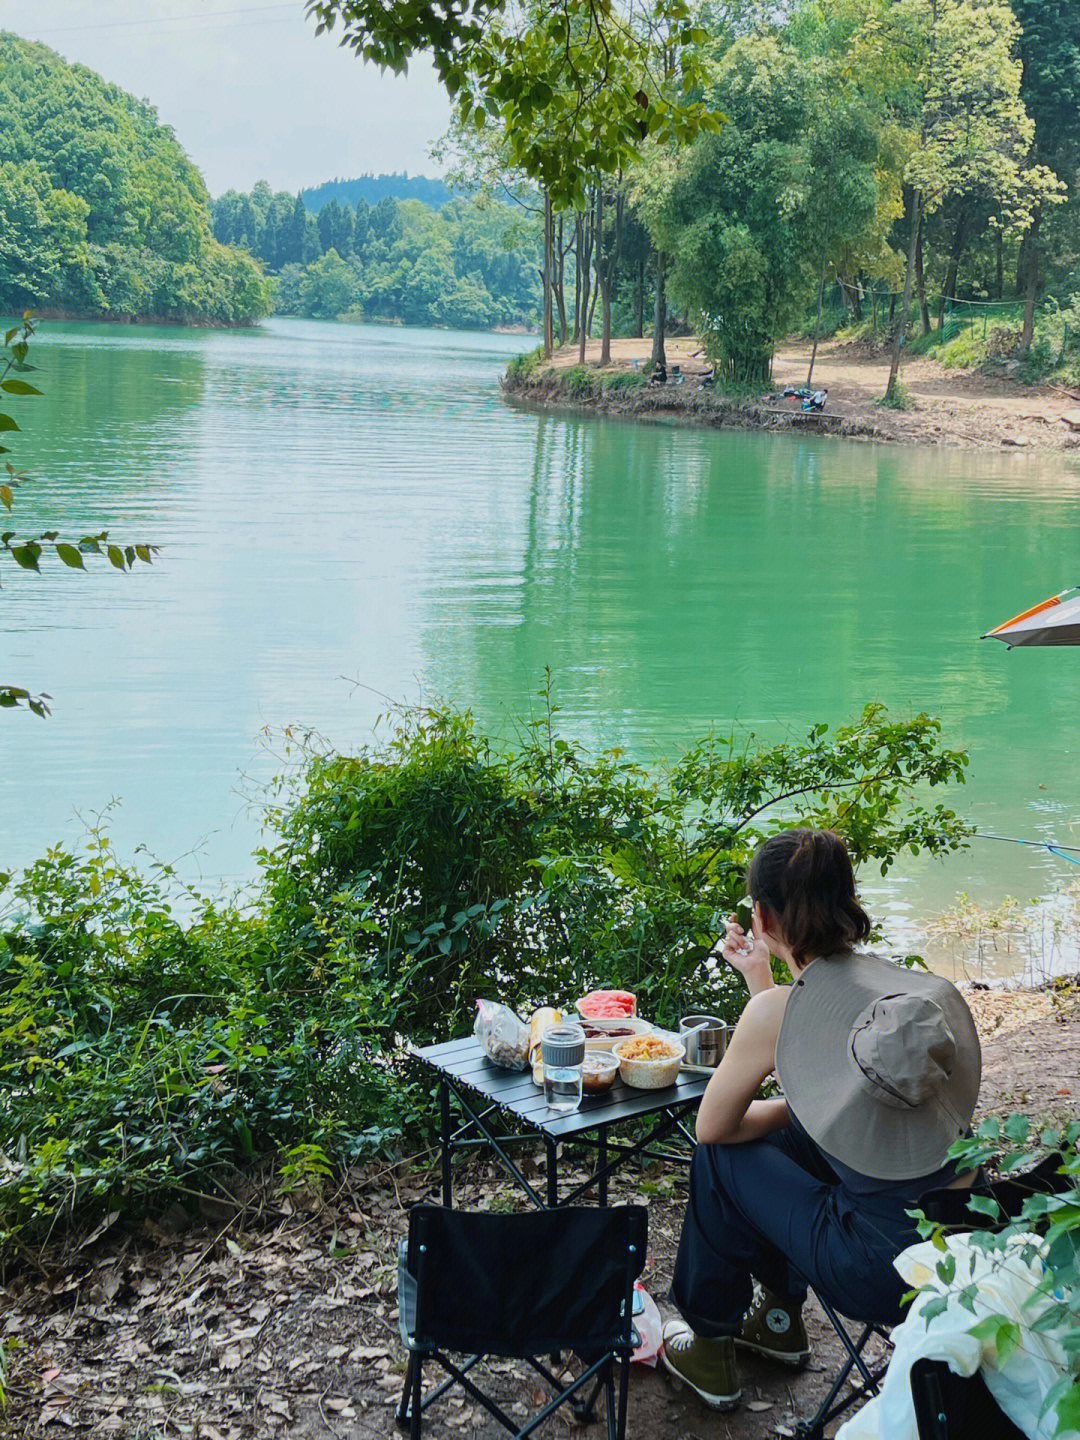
{"points": [[373, 188], [101, 212]]}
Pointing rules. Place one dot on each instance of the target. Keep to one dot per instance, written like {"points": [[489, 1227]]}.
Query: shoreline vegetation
{"points": [[947, 406]]}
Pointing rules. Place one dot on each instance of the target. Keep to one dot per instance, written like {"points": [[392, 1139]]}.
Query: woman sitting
{"points": [[879, 1067]]}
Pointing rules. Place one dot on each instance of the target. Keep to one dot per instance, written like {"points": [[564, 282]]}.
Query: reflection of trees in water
{"points": [[107, 426]]}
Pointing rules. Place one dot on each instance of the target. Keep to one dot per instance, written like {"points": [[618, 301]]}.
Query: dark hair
{"points": [[803, 878]]}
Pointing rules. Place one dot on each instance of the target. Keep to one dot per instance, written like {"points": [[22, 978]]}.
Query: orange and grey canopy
{"points": [[1055, 622]]}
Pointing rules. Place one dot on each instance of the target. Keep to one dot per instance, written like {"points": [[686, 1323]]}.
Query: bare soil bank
{"points": [[275, 1317], [952, 407]]}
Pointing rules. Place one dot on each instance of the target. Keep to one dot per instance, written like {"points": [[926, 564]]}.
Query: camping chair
{"points": [[949, 1405], [521, 1286], [949, 1208]]}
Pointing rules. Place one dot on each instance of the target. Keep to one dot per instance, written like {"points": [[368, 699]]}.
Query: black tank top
{"points": [[855, 1183]]}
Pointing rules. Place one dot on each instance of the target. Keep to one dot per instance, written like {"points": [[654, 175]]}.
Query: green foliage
{"points": [[143, 1057], [579, 382], [898, 398], [624, 380], [101, 212], [525, 364], [1047, 1229], [467, 265]]}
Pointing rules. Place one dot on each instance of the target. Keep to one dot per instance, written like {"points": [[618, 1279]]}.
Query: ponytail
{"points": [[803, 878]]}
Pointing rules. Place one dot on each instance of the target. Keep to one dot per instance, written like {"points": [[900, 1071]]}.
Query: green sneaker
{"points": [[774, 1328], [706, 1365]]}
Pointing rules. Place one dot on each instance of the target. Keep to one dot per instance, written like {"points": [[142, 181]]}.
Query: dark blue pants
{"points": [[773, 1210]]}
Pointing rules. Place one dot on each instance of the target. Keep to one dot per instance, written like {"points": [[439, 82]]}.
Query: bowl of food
{"points": [[598, 1071], [649, 1062], [607, 1009], [604, 1036]]}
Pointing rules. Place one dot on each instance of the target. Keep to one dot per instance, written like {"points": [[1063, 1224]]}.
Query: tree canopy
{"points": [[101, 212]]}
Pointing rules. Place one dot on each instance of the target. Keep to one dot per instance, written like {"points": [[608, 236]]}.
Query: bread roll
{"points": [[543, 1019]]}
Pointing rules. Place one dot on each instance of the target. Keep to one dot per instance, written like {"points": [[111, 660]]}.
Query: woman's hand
{"points": [[748, 954]]}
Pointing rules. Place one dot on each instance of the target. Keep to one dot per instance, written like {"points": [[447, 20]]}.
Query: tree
{"points": [[1050, 89], [328, 287], [750, 217], [971, 132], [26, 551], [100, 209]]}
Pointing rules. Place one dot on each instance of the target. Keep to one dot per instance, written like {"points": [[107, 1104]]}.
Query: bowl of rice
{"points": [[649, 1062]]}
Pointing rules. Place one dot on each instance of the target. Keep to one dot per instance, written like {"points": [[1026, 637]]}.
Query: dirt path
{"points": [[952, 407], [283, 1323]]}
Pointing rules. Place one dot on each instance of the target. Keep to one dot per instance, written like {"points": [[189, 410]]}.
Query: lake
{"points": [[351, 514]]}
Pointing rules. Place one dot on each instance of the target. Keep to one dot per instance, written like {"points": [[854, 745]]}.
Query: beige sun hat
{"points": [[880, 1063]]}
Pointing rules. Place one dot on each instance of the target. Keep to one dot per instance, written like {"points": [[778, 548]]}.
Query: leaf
{"points": [[6, 496], [984, 1205], [19, 387], [6, 422], [116, 556], [143, 552], [26, 555], [69, 554]]}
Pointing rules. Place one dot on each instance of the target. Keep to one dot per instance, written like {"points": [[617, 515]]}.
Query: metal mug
{"points": [[706, 1038]]}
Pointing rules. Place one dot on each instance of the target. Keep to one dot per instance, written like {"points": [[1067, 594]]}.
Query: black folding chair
{"points": [[521, 1286], [948, 1208], [949, 1406]]}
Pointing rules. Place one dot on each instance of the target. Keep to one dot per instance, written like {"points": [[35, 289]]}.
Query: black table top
{"points": [[464, 1063]]}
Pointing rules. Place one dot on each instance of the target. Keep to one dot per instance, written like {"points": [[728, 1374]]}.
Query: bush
{"points": [[145, 1058], [624, 380], [526, 364], [899, 398], [579, 382]]}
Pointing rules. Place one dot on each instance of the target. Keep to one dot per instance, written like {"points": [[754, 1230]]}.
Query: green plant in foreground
{"points": [[1046, 1231], [145, 1058]]}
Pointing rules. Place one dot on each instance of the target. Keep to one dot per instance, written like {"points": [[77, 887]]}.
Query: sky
{"points": [[251, 91]]}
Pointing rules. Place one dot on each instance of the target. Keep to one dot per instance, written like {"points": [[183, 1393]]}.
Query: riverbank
{"points": [[951, 407], [262, 1315]]}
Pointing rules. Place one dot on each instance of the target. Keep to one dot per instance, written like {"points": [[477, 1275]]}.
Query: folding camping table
{"points": [[488, 1096]]}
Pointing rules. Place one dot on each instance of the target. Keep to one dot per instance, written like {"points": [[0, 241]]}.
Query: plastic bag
{"points": [[503, 1037], [648, 1325]]}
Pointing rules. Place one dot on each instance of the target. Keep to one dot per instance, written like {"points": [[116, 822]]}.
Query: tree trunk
{"points": [[639, 302], [955, 256], [579, 245], [900, 334], [603, 281], [659, 355], [549, 275], [585, 263], [560, 281], [1031, 280], [920, 287], [999, 278]]}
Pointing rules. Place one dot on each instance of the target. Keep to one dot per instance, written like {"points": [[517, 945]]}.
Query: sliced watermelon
{"points": [[608, 1005]]}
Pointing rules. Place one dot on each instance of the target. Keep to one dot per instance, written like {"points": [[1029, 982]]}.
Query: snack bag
{"points": [[503, 1037], [649, 1327]]}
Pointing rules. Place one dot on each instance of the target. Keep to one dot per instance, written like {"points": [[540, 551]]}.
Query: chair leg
{"points": [[402, 1416], [624, 1397], [417, 1392]]}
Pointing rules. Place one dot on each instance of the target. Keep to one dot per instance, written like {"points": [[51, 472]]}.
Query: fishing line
{"points": [[1063, 852]]}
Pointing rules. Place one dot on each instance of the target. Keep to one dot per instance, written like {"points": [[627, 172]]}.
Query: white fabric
{"points": [[1005, 1282]]}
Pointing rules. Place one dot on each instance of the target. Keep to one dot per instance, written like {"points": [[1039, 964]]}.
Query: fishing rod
{"points": [[1063, 852]]}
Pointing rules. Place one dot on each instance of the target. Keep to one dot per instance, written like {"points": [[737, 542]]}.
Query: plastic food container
{"points": [[598, 1071], [599, 1038], [650, 1074]]}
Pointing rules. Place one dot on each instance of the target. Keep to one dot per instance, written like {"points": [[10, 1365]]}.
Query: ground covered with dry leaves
{"points": [[276, 1318]]}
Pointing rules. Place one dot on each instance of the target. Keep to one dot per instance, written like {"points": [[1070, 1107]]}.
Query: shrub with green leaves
{"points": [[1046, 1231], [143, 1057]]}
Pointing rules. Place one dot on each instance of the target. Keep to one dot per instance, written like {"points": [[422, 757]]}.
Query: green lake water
{"points": [[350, 513]]}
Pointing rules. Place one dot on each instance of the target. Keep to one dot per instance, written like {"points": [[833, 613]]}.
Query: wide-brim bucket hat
{"points": [[880, 1063]]}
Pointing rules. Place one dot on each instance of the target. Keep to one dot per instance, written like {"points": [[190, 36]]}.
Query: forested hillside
{"points": [[101, 212], [466, 265], [373, 188]]}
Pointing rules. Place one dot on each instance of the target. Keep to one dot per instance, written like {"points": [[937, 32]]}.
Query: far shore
{"points": [[950, 406]]}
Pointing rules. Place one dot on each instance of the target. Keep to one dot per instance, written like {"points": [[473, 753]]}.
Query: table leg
{"points": [[552, 1172], [601, 1164], [447, 1146]]}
